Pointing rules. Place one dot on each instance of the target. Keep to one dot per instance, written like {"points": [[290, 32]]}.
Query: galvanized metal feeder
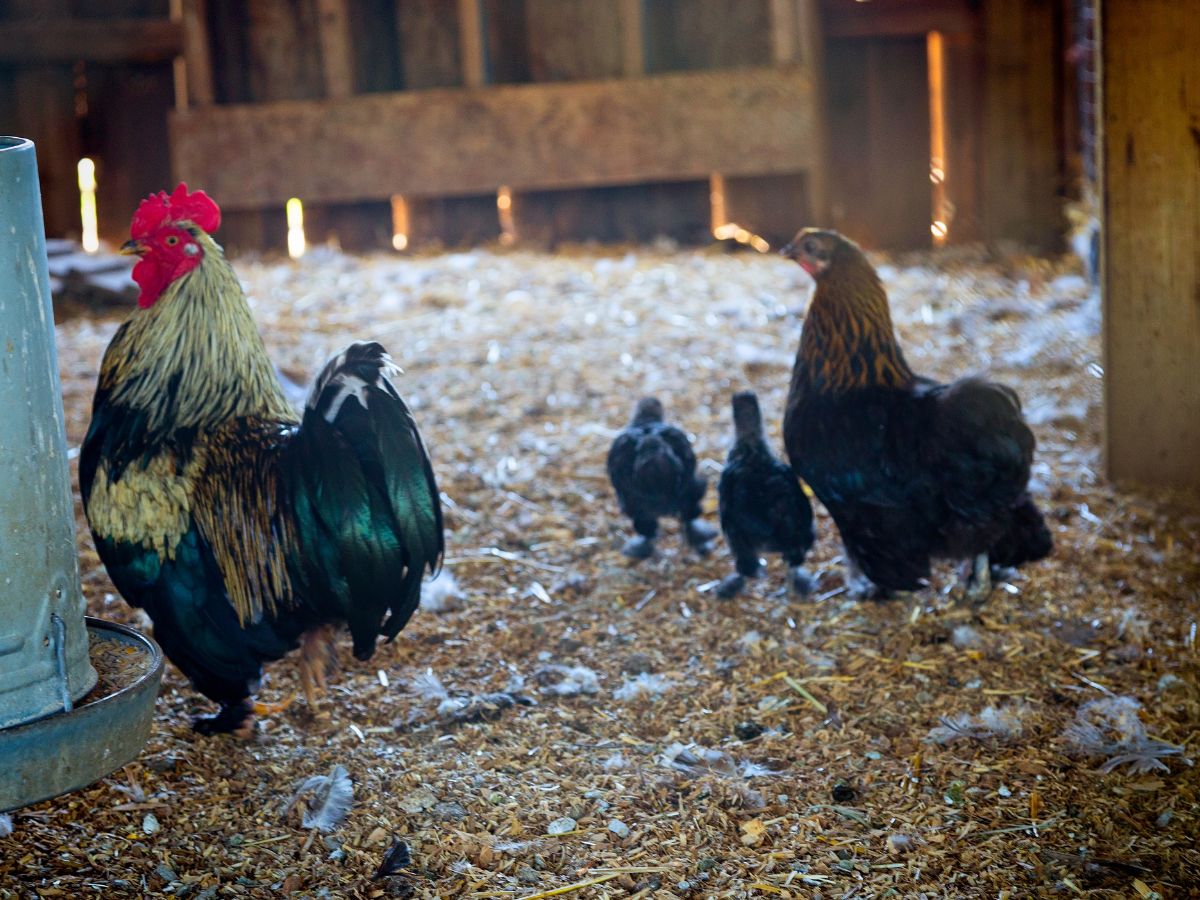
{"points": [[59, 729]]}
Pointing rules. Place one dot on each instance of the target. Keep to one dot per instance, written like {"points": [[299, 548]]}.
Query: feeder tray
{"points": [[104, 731]]}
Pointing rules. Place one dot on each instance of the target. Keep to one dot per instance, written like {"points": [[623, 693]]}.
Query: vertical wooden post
{"points": [[333, 29], [472, 52], [197, 69], [1150, 178], [633, 40]]}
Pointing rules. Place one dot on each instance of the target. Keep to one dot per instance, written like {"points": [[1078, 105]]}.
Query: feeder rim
{"points": [[12, 142]]}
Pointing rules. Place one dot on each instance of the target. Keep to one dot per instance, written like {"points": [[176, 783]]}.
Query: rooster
{"points": [[242, 529], [763, 507], [653, 470], [910, 469]]}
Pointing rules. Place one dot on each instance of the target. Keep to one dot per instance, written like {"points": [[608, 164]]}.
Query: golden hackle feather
{"points": [[848, 341], [200, 337]]}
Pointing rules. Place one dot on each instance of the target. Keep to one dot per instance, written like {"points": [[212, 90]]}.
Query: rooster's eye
{"points": [[172, 240]]}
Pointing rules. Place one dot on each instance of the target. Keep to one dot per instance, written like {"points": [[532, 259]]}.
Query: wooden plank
{"points": [[1150, 124], [471, 43], [898, 18], [810, 50], [573, 40], [964, 153], [429, 44], [197, 56], [333, 29], [1022, 140], [65, 40], [633, 37], [670, 127], [689, 35]]}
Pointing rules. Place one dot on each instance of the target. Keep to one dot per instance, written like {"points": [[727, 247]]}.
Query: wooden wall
{"points": [[1150, 127]]}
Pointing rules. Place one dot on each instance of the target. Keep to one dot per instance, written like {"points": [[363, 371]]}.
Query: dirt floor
{"points": [[573, 722]]}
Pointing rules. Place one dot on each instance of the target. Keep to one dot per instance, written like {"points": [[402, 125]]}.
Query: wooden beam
{"points": [[104, 41], [899, 18], [810, 51], [785, 39], [458, 142], [337, 61], [633, 38], [472, 55], [1150, 168]]}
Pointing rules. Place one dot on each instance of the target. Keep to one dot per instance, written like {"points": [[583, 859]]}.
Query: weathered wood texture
{"points": [[1150, 125], [1022, 145], [529, 137], [896, 18], [429, 42], [706, 34], [879, 140]]}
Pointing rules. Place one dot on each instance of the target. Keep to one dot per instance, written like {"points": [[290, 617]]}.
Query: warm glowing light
{"points": [[725, 232], [87, 205], [732, 231], [508, 222], [716, 201], [935, 51], [400, 222], [295, 228]]}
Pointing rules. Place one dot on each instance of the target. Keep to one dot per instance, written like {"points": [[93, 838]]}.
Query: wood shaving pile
{"points": [[784, 749]]}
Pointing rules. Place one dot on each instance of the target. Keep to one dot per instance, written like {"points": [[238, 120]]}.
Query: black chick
{"points": [[653, 470], [763, 508]]}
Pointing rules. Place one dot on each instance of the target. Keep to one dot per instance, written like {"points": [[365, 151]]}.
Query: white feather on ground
{"points": [[441, 593], [1003, 724], [644, 683], [326, 798], [1110, 727]]}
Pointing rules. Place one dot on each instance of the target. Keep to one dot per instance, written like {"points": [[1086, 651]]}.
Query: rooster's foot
{"points": [[639, 547], [700, 535], [233, 718], [979, 582]]}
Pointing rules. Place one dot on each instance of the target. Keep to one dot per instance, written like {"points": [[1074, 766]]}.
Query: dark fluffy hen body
{"points": [[239, 530], [653, 471], [763, 508], [909, 469]]}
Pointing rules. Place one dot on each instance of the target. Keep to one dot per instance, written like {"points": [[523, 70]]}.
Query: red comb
{"points": [[157, 209]]}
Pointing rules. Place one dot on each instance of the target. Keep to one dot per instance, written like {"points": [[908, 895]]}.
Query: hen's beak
{"points": [[788, 251], [132, 248]]}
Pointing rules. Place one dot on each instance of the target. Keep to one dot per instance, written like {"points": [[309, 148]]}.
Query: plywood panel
{"points": [[1151, 272], [879, 140], [472, 141], [1022, 130]]}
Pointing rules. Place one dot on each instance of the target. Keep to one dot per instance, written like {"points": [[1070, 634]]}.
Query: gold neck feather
{"points": [[848, 341], [195, 358]]}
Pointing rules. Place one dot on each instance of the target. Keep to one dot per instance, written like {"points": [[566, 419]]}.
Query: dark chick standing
{"points": [[653, 470], [909, 469]]}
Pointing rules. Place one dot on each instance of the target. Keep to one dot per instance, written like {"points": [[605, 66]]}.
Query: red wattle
{"points": [[152, 278]]}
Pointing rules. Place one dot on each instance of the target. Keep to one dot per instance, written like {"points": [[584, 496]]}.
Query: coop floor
{"points": [[519, 368]]}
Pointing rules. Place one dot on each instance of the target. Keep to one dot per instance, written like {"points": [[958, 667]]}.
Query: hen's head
{"points": [[747, 417], [166, 233], [649, 409], [816, 250]]}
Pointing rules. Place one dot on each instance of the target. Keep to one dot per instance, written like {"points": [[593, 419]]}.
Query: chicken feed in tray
{"points": [[559, 718]]}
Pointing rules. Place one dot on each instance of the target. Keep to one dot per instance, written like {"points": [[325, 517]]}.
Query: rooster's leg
{"points": [[641, 546], [979, 583], [799, 581], [316, 660]]}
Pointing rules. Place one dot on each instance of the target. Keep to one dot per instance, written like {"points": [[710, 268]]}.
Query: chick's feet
{"points": [[233, 718], [699, 535], [639, 547], [800, 582], [731, 586]]}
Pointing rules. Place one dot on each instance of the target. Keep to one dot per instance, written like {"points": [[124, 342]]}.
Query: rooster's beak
{"points": [[132, 248]]}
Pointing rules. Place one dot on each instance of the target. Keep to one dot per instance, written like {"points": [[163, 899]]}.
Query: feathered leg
{"points": [[642, 545], [979, 582], [746, 563], [234, 718], [799, 581], [698, 533]]}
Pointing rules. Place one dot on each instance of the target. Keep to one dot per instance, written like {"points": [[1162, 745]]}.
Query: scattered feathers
{"points": [[567, 681], [644, 683], [1110, 727], [326, 799], [1003, 725]]}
